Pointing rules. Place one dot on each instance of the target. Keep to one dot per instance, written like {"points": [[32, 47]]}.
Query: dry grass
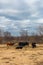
{"points": [[25, 56]]}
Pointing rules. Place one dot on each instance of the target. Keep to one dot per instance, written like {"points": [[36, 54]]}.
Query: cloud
{"points": [[17, 9], [39, 21], [21, 14], [14, 14]]}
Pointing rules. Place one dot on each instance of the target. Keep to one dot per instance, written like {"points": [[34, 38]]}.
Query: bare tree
{"points": [[40, 30], [34, 37], [7, 36], [1, 33], [24, 34]]}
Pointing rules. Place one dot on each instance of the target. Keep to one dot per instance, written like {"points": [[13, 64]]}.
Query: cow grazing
{"points": [[10, 44], [34, 45], [23, 44], [19, 47]]}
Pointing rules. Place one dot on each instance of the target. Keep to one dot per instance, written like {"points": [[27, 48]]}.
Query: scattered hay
{"points": [[40, 63], [4, 58], [13, 57], [7, 62]]}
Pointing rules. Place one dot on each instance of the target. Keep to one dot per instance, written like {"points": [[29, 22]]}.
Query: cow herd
{"points": [[21, 44]]}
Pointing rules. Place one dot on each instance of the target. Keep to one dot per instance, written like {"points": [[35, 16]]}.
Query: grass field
{"points": [[25, 56]]}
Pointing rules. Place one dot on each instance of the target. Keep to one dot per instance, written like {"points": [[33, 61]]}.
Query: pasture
{"points": [[25, 56]]}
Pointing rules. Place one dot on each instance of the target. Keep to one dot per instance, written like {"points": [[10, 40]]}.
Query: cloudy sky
{"points": [[20, 14]]}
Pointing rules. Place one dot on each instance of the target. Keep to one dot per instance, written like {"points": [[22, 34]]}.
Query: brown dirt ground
{"points": [[29, 56]]}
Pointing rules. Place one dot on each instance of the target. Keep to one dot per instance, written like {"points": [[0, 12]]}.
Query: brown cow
{"points": [[34, 45], [10, 44]]}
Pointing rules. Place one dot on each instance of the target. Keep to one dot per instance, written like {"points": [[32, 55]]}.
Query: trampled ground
{"points": [[29, 56]]}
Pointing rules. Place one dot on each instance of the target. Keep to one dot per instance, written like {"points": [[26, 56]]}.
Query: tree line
{"points": [[24, 35]]}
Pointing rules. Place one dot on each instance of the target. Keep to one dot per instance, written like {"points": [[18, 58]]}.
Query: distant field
{"points": [[25, 56]]}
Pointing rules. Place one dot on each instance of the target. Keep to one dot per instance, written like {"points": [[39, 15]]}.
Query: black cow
{"points": [[23, 44], [34, 45], [19, 47]]}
